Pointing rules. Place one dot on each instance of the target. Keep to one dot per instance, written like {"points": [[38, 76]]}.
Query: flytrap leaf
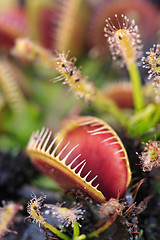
{"points": [[86, 155]]}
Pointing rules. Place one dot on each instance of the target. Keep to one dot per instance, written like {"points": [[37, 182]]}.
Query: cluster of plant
{"points": [[86, 157]]}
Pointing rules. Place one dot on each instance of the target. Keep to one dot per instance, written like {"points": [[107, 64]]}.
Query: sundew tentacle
{"points": [[146, 18], [152, 63], [26, 49], [7, 213], [65, 216], [124, 41], [150, 157], [34, 210], [125, 45], [73, 77]]}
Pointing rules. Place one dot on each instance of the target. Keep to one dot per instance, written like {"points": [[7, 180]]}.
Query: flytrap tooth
{"points": [[39, 137], [78, 165], [86, 123], [113, 143], [46, 141], [32, 140], [51, 145], [81, 169], [87, 175], [69, 165], [100, 132], [39, 146], [55, 149], [96, 124], [97, 129], [62, 150], [90, 182], [108, 139], [123, 158], [68, 154], [121, 150], [96, 187]]}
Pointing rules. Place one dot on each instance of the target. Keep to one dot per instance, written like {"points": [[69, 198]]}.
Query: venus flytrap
{"points": [[68, 11], [86, 156], [10, 87], [68, 161]]}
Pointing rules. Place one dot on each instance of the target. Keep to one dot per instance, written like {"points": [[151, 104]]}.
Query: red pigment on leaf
{"points": [[101, 158], [47, 19], [13, 24]]}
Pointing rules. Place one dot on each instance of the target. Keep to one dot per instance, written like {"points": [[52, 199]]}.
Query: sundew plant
{"points": [[83, 148]]}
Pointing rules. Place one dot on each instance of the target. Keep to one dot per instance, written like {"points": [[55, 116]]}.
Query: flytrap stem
{"points": [[104, 227]]}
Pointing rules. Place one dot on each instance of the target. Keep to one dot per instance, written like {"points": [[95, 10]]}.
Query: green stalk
{"points": [[156, 117], [55, 231], [41, 220], [75, 230], [136, 84], [144, 114], [81, 237]]}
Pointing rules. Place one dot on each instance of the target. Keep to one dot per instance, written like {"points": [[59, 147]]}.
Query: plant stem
{"points": [[108, 105], [156, 117], [136, 84], [81, 237], [41, 220], [144, 114], [104, 227], [55, 231], [75, 230]]}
